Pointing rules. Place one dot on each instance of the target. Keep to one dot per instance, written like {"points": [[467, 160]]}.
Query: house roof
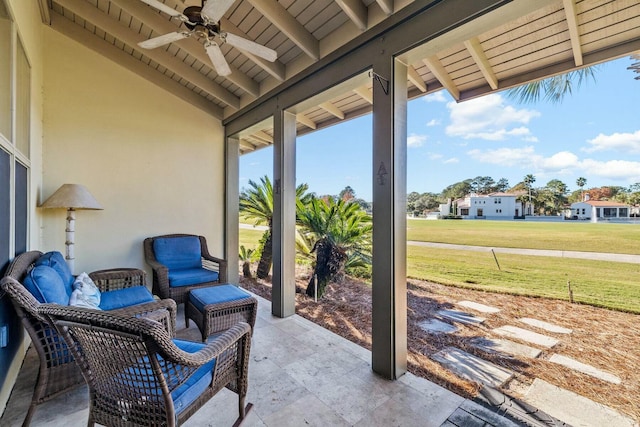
{"points": [[603, 203], [507, 44]]}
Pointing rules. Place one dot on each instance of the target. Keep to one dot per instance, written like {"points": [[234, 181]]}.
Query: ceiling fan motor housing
{"points": [[193, 13]]}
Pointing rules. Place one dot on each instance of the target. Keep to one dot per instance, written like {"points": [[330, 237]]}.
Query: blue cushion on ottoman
{"points": [[46, 285], [120, 298], [56, 261], [191, 276], [215, 295], [178, 252]]}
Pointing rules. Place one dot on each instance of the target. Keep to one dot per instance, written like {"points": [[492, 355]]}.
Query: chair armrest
{"points": [[118, 278], [140, 310], [221, 263], [21, 297]]}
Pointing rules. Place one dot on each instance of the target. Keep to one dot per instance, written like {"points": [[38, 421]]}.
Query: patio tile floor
{"points": [[299, 375]]}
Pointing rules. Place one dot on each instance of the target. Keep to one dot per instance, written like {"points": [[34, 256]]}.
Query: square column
{"points": [[232, 208], [389, 284], [284, 215]]}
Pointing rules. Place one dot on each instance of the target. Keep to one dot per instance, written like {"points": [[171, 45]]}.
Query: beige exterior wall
{"points": [[155, 163]]}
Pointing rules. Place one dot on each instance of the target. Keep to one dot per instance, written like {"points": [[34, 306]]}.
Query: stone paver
{"points": [[506, 346], [546, 326], [572, 408], [526, 335], [437, 326], [471, 367], [461, 317], [478, 307], [584, 368]]}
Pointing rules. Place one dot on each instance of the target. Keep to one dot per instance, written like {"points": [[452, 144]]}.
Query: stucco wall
{"points": [[155, 163]]}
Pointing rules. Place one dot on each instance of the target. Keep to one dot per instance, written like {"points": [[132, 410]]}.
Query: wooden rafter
{"points": [[306, 121], [386, 6], [441, 74], [574, 35], [332, 109], [477, 53], [415, 78], [365, 93], [356, 11]]}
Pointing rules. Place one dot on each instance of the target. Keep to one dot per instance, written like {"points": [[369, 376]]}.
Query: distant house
{"points": [[599, 209], [489, 206]]}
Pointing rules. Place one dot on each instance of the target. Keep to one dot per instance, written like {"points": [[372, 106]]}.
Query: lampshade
{"points": [[74, 196]]}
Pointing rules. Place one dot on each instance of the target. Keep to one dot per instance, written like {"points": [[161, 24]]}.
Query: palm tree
{"points": [[245, 256], [554, 88], [256, 204], [528, 182], [341, 236], [581, 182]]}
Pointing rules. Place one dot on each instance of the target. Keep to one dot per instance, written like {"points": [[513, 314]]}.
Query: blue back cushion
{"points": [[56, 261], [178, 252], [46, 285]]}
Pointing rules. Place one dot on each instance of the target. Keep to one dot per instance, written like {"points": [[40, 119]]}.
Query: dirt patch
{"points": [[602, 338]]}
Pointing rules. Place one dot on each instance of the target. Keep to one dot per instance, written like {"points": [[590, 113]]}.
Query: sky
{"points": [[593, 133]]}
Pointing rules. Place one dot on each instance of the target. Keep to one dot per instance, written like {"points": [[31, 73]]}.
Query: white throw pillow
{"points": [[85, 293]]}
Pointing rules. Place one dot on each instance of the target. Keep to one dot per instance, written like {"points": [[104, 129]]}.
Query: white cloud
{"points": [[622, 170], [434, 122], [451, 160], [623, 142], [436, 97], [489, 118], [435, 156], [414, 140]]}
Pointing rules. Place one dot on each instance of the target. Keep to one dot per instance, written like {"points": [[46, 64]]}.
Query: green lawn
{"points": [[600, 283], [567, 235]]}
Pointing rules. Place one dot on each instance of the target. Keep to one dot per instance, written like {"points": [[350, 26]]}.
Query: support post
{"points": [[232, 215], [389, 293], [284, 215]]}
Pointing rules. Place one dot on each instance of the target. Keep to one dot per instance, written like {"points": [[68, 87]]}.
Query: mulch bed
{"points": [[606, 339]]}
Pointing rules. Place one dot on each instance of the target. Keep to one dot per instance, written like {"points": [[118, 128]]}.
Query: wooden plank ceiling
{"points": [[561, 36]]}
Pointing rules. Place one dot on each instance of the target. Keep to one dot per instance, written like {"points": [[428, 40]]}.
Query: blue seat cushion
{"points": [[46, 285], [56, 261], [120, 298], [191, 276], [178, 252], [215, 295], [197, 383]]}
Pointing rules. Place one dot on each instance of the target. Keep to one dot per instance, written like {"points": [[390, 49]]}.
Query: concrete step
{"points": [[461, 317], [506, 346], [436, 326], [572, 408], [584, 368], [478, 307], [550, 327], [472, 368], [526, 335]]}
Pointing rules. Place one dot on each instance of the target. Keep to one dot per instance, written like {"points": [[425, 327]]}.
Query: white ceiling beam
{"points": [[275, 69], [332, 109], [281, 18], [415, 78], [192, 46], [306, 121], [111, 26], [386, 6], [572, 23], [246, 145], [365, 93], [122, 58], [262, 136], [441, 74], [356, 11], [477, 53]]}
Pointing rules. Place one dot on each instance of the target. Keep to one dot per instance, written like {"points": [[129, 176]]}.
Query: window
{"points": [[5, 72]]}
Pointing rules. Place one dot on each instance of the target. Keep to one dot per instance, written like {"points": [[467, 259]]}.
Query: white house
{"points": [[594, 209], [490, 206]]}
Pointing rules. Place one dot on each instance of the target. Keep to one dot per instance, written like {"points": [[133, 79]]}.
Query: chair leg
{"points": [[27, 418], [244, 410]]}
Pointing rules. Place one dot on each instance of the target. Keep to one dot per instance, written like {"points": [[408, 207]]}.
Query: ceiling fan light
{"points": [[217, 59], [250, 46]]}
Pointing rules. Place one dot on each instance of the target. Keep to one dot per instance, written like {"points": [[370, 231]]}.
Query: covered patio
{"points": [[156, 134]]}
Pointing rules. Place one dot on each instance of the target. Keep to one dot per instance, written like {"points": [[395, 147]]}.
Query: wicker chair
{"points": [[162, 282], [58, 371], [139, 376]]}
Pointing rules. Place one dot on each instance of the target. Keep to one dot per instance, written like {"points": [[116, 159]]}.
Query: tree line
{"points": [[550, 199]]}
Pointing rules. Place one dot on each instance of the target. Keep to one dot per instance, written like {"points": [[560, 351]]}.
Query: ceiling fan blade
{"points": [[250, 46], [217, 59], [162, 7], [162, 40], [214, 10]]}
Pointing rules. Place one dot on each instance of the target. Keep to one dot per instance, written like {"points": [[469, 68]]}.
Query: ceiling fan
{"points": [[204, 23]]}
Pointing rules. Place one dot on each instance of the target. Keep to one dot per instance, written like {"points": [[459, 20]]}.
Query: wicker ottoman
{"points": [[217, 308]]}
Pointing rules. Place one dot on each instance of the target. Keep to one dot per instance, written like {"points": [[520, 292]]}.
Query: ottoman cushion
{"points": [[216, 294]]}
